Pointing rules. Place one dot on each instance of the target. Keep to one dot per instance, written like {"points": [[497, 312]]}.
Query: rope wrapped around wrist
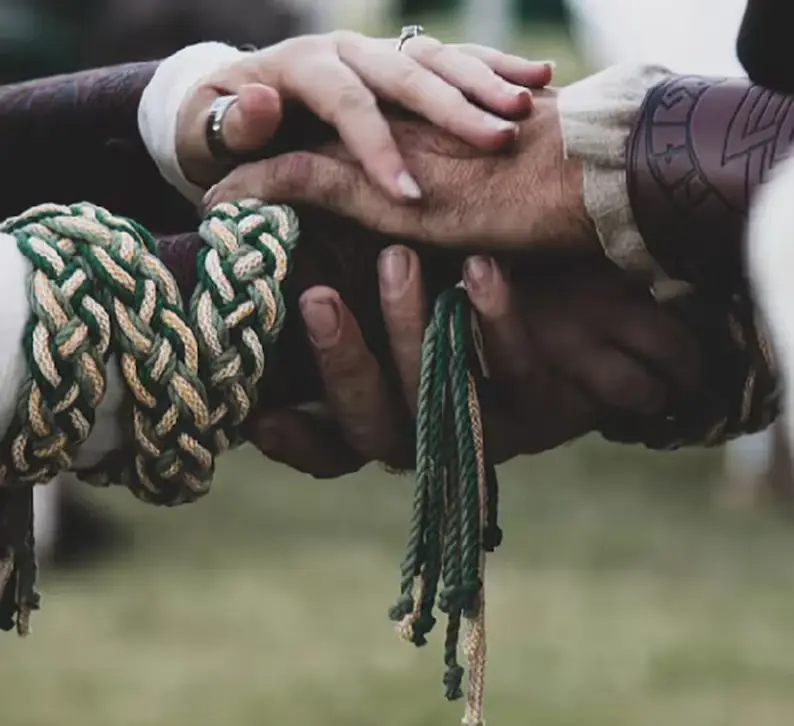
{"points": [[98, 290]]}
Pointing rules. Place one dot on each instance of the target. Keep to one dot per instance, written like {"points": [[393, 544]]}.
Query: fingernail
{"points": [[552, 65], [322, 321], [500, 124], [477, 273], [207, 198], [514, 90], [408, 186], [394, 266]]}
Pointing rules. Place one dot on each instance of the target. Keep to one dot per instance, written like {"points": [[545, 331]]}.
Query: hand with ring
{"points": [[473, 92]]}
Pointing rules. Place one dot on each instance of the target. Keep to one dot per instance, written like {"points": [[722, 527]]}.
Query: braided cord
{"points": [[96, 290], [454, 517], [237, 309]]}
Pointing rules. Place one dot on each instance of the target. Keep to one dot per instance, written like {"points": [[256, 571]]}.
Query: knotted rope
{"points": [[98, 290]]}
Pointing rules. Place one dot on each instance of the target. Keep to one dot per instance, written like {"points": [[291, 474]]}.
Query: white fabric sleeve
{"points": [[596, 116], [14, 273], [770, 261], [162, 99]]}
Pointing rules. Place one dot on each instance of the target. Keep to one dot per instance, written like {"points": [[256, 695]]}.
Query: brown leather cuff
{"points": [[699, 149]]}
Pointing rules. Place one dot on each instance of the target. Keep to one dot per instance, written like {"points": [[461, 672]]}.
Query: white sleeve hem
{"points": [[15, 271], [162, 99], [596, 116]]}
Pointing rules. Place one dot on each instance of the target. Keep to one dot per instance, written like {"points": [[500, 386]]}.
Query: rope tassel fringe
{"points": [[454, 520]]}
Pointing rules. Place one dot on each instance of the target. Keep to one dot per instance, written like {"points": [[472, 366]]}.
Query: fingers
{"points": [[405, 313], [509, 356], [551, 414], [331, 184], [616, 380], [252, 121], [397, 77], [304, 443], [657, 339], [570, 334], [513, 68], [465, 67], [355, 388], [336, 94]]}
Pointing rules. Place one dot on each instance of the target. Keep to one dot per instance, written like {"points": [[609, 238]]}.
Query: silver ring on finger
{"points": [[213, 133], [408, 33]]}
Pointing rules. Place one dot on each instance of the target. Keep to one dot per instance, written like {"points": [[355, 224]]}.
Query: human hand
{"points": [[340, 77], [563, 350], [530, 197]]}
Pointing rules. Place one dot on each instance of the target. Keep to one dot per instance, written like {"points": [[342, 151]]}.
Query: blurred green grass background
{"points": [[621, 597]]}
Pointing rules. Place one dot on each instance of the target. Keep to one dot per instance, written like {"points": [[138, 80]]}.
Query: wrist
{"points": [[596, 116], [173, 110]]}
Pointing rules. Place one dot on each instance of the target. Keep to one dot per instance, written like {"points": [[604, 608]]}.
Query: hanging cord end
{"points": [[18, 567], [454, 519]]}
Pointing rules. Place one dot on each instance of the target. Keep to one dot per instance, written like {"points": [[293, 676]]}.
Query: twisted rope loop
{"points": [[455, 504], [237, 309], [98, 289]]}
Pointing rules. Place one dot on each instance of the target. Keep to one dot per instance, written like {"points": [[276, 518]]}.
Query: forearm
{"points": [[764, 44], [76, 136]]}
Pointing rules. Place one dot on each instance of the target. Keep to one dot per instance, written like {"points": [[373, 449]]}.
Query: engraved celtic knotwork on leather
{"points": [[699, 150]]}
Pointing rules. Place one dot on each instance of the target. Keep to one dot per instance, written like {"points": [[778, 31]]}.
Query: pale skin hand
{"points": [[525, 197], [340, 77]]}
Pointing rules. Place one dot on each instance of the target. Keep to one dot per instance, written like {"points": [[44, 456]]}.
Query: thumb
{"points": [[253, 120], [303, 442], [335, 185]]}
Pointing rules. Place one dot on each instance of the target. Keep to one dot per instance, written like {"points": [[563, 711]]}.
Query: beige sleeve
{"points": [[597, 115]]}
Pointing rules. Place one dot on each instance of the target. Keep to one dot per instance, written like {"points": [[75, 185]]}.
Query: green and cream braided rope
{"points": [[97, 289], [455, 503]]}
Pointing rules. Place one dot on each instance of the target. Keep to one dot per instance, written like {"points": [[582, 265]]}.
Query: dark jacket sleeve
{"points": [[75, 137], [764, 45]]}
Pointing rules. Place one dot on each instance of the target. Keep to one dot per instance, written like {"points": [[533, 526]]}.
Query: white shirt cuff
{"points": [[15, 271], [163, 97], [597, 115]]}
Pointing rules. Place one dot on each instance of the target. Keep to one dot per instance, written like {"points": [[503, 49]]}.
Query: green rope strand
{"points": [[451, 525], [449, 601], [98, 289]]}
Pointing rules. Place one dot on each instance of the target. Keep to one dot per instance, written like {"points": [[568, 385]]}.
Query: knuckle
{"points": [[425, 49], [346, 37], [412, 84], [287, 51], [469, 49], [352, 100], [293, 173], [629, 388]]}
